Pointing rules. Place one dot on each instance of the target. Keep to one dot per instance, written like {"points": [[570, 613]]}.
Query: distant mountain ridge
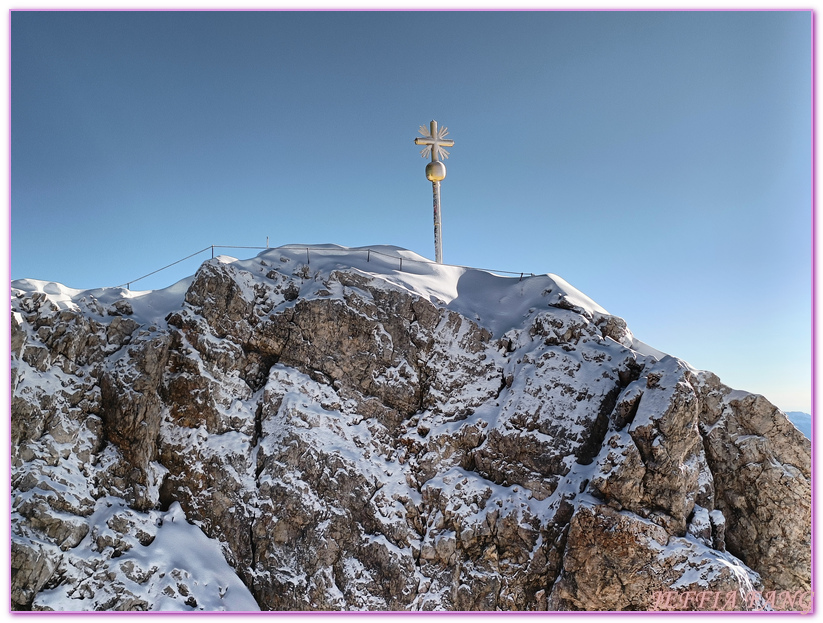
{"points": [[363, 431]]}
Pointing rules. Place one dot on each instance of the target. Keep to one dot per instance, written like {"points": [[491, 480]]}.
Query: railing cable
{"points": [[369, 252], [128, 283]]}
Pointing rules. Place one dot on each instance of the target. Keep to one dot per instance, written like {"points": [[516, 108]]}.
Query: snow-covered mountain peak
{"points": [[365, 429]]}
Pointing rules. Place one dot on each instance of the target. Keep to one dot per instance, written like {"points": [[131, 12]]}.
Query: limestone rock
{"points": [[761, 470], [619, 561], [355, 436]]}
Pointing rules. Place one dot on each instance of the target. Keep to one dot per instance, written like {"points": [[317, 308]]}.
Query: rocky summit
{"points": [[324, 428]]}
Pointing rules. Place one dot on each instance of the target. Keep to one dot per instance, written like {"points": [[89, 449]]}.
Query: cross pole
{"points": [[435, 142]]}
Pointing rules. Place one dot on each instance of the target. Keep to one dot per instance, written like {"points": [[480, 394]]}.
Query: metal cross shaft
{"points": [[435, 142], [438, 236]]}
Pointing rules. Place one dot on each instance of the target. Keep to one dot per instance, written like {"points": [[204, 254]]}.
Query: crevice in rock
{"points": [[252, 548], [732, 515], [504, 383], [425, 385], [630, 373], [258, 425], [257, 368], [166, 494], [558, 546], [413, 315], [591, 448], [621, 420]]}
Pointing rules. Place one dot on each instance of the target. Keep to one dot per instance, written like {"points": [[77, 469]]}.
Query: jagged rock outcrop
{"points": [[358, 437]]}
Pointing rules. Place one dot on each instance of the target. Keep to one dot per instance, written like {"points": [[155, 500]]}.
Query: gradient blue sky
{"points": [[658, 161]]}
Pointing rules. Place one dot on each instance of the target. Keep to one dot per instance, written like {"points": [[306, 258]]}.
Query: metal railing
{"points": [[367, 250]]}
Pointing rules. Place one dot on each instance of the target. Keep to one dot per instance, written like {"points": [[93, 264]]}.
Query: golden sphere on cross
{"points": [[435, 171]]}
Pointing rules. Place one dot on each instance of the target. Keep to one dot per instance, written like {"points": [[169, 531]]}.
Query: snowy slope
{"points": [[179, 569]]}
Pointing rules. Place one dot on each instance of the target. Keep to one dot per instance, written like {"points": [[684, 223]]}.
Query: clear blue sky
{"points": [[658, 161]]}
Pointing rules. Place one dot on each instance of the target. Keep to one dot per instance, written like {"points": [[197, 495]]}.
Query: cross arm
{"points": [[445, 142]]}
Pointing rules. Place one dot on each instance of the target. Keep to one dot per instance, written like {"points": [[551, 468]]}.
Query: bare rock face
{"points": [[761, 473], [352, 441], [616, 561], [661, 461]]}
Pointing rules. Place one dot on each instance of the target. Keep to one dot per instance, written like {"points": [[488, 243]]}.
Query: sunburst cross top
{"points": [[434, 140]]}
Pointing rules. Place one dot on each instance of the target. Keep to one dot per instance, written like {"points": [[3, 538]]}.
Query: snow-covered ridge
{"points": [[496, 302]]}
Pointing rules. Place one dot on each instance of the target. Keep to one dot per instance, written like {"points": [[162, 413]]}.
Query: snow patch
{"points": [[179, 569]]}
